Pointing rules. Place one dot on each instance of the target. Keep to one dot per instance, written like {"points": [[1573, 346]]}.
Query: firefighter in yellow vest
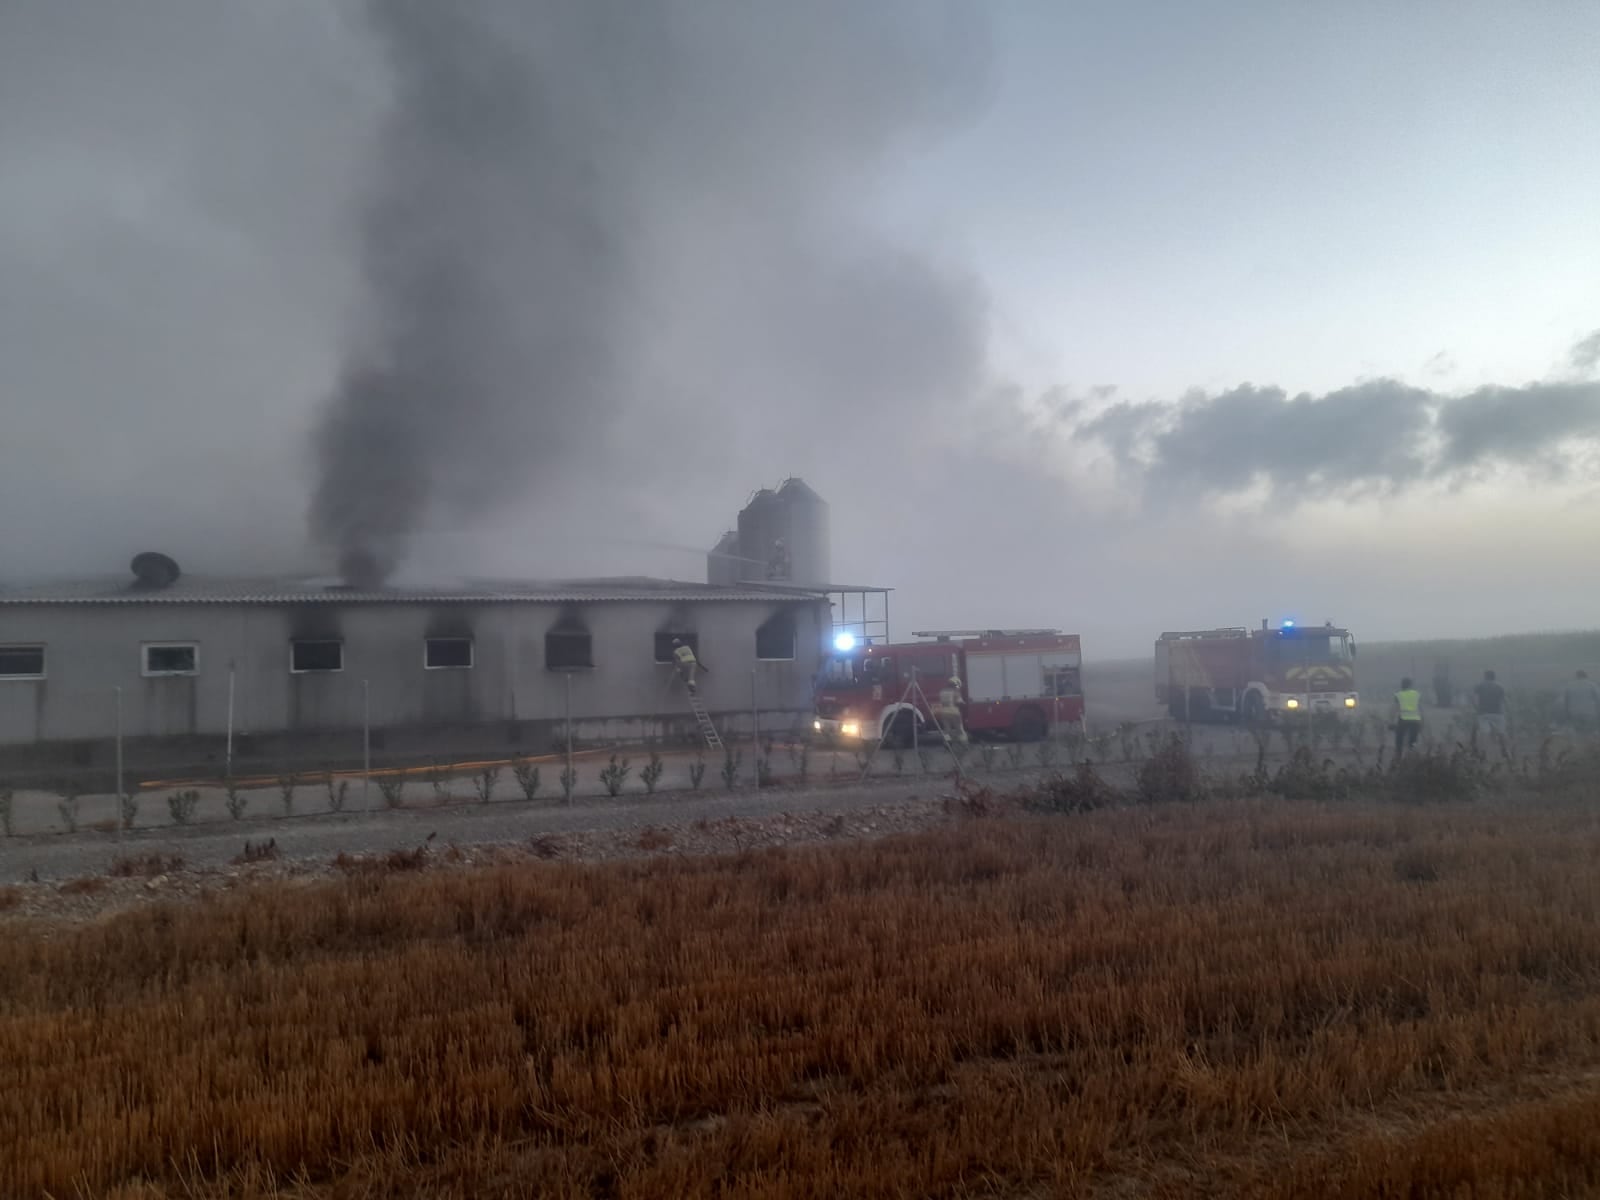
{"points": [[687, 663], [1407, 717], [948, 713]]}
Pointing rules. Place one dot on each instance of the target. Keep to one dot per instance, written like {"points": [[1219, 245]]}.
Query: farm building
{"points": [[294, 667]]}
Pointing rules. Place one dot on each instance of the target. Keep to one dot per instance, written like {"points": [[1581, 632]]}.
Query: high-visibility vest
{"points": [[1410, 702], [684, 655]]}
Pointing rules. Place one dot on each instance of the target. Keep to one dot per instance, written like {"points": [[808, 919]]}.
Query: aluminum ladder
{"points": [[707, 729]]}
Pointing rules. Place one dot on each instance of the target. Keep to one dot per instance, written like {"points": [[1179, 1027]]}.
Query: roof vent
{"points": [[154, 570]]}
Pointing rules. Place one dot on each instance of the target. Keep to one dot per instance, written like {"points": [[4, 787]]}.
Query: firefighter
{"points": [[687, 663], [948, 713], [1407, 717]]}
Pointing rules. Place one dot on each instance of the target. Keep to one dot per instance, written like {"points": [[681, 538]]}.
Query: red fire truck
{"points": [[1256, 674], [1014, 682]]}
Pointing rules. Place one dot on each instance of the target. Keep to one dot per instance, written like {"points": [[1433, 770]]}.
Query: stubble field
{"points": [[1242, 996]]}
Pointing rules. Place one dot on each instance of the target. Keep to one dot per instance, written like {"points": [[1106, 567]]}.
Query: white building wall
{"points": [[91, 650]]}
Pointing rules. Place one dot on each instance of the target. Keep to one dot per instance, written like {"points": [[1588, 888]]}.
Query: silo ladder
{"points": [[707, 729]]}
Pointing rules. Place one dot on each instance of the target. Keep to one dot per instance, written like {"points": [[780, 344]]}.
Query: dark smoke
{"points": [[563, 183]]}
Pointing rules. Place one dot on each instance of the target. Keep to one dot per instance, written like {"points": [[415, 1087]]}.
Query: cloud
{"points": [[1585, 355], [1379, 436]]}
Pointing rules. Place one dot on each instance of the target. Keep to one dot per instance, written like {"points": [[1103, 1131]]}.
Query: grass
{"points": [[1243, 996]]}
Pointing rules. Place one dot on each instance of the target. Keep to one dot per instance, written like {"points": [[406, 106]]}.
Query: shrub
{"points": [[800, 760], [569, 783], [392, 788], [897, 755], [85, 886], [128, 806], [1306, 777], [650, 774], [1436, 776], [1170, 776], [1046, 752], [527, 777], [338, 793], [1014, 756], [7, 796], [255, 852], [614, 774], [697, 771], [1128, 739], [67, 806], [731, 762], [545, 845], [236, 799], [1082, 791], [439, 782], [987, 752], [182, 805], [483, 783], [286, 786]]}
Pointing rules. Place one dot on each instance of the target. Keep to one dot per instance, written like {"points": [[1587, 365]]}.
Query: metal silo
{"points": [[804, 519], [762, 526], [722, 564]]}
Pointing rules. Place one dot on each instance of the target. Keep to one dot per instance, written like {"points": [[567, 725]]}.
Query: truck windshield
{"points": [[839, 672], [1313, 648]]}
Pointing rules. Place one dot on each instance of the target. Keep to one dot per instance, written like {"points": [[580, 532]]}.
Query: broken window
{"points": [[568, 650], [21, 662], [171, 658], [664, 645], [308, 656], [775, 639], [443, 653]]}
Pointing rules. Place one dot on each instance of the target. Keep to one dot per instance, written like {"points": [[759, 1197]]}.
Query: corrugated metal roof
{"points": [[193, 589]]}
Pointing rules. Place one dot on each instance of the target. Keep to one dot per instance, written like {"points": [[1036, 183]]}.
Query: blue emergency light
{"points": [[844, 643]]}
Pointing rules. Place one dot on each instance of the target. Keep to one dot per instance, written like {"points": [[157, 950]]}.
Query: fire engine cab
{"points": [[1015, 683]]}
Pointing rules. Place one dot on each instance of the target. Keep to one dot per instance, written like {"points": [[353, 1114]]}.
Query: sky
{"points": [[1115, 317]]}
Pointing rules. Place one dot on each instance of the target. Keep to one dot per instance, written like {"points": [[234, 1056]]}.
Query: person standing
{"points": [[1489, 698], [1407, 717], [1581, 703], [949, 712]]}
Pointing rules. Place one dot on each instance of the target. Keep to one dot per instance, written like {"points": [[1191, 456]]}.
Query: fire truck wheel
{"points": [[1028, 726]]}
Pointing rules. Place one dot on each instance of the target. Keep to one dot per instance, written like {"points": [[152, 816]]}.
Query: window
{"points": [[21, 662], [931, 669], [664, 645], [446, 653], [171, 658], [305, 657], [775, 639], [568, 650]]}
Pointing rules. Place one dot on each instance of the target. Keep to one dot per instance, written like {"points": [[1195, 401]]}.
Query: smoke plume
{"points": [[579, 212]]}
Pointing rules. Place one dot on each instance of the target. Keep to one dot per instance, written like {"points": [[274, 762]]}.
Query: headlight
{"points": [[817, 725], [850, 729], [1349, 701], [1291, 703]]}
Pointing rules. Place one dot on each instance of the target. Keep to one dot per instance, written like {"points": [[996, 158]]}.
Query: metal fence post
{"points": [[118, 813], [366, 746], [227, 754], [755, 727], [569, 731]]}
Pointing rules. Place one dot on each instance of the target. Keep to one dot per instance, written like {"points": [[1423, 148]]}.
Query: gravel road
{"points": [[321, 837]]}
